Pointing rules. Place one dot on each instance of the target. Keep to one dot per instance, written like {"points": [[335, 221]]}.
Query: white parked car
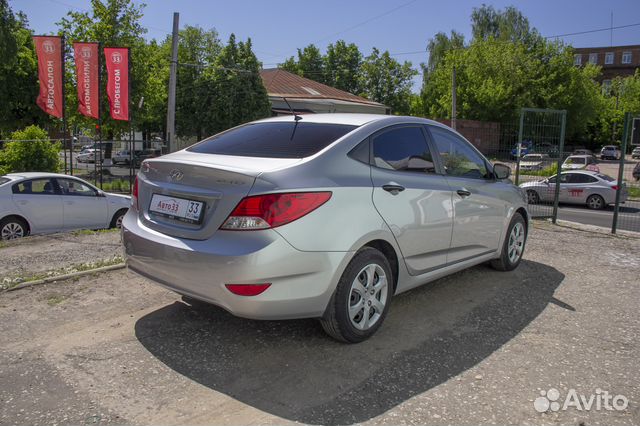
{"points": [[580, 162], [39, 203], [610, 152], [534, 162], [596, 190], [88, 155]]}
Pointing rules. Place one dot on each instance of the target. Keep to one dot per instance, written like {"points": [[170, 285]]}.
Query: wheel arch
{"points": [[17, 216], [389, 252]]}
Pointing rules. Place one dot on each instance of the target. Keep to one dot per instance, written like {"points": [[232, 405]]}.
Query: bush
{"points": [[547, 171], [35, 154]]}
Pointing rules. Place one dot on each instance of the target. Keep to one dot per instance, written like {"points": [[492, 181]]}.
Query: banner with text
{"points": [[86, 56], [49, 51], [117, 62]]}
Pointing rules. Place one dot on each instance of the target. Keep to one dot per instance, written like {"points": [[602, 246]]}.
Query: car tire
{"points": [[532, 197], [12, 228], [116, 221], [362, 298], [596, 202], [513, 246]]}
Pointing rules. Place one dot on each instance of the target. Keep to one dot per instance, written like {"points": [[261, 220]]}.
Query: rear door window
{"points": [[35, 187], [274, 139], [403, 149]]}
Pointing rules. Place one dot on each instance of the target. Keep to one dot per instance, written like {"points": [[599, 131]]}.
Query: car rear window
{"points": [[273, 139]]}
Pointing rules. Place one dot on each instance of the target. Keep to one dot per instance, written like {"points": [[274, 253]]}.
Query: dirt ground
{"points": [[475, 348]]}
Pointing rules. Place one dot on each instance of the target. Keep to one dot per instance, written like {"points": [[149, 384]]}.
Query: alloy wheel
{"points": [[11, 231]]}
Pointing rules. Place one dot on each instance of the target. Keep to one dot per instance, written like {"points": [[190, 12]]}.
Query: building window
{"points": [[626, 57], [577, 59], [606, 87], [593, 58], [608, 58]]}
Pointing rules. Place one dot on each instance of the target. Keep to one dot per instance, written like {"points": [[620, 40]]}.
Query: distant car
{"points": [[596, 190], [580, 162], [610, 152], [88, 155], [124, 157], [582, 152], [533, 162], [525, 148], [41, 203], [636, 172], [636, 152]]}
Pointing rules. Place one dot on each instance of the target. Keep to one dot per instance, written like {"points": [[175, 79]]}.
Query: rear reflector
{"points": [[247, 289], [134, 194], [272, 210]]}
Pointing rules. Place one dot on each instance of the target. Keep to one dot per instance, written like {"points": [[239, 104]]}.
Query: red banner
{"points": [[49, 51], [117, 61], [86, 56]]}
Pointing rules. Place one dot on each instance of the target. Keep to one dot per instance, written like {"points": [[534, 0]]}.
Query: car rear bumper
{"points": [[301, 282]]}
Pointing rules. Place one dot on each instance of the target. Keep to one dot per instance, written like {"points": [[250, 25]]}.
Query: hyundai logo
{"points": [[176, 175]]}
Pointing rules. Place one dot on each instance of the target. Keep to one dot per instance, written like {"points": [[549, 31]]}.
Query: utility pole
{"points": [[171, 107], [454, 112]]}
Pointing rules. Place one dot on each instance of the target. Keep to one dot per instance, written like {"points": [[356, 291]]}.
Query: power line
{"points": [[595, 31]]}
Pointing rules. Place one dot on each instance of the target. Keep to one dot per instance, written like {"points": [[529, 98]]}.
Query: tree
{"points": [[497, 78], [31, 151], [310, 64], [235, 92], [385, 80], [18, 73], [342, 65], [505, 25]]}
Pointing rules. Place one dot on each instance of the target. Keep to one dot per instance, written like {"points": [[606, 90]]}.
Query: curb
{"points": [[66, 276], [596, 229]]}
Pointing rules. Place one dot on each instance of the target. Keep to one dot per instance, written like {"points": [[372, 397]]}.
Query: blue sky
{"points": [[278, 27]]}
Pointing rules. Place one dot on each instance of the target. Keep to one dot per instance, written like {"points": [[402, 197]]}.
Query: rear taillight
{"points": [[272, 210], [614, 187], [247, 289], [134, 194]]}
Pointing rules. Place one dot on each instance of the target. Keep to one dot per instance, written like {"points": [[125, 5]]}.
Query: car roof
{"points": [[351, 119], [582, 172], [34, 175], [579, 156]]}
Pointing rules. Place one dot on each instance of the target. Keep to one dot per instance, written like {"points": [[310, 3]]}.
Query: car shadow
{"points": [[293, 370]]}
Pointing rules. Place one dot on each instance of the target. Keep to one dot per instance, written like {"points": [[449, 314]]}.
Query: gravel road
{"points": [[31, 256], [478, 347]]}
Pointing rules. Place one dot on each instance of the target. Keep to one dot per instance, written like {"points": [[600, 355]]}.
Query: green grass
{"points": [[94, 231], [634, 191], [547, 171], [116, 186]]}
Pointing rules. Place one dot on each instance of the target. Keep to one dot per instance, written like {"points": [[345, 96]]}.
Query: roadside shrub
{"points": [[30, 151], [547, 171]]}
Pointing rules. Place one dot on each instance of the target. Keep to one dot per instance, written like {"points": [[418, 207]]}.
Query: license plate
{"points": [[181, 209]]}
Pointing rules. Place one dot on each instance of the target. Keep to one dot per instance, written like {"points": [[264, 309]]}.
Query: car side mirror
{"points": [[501, 171], [101, 193]]}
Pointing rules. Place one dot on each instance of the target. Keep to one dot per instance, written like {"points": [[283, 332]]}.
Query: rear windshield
{"points": [[274, 139], [4, 180]]}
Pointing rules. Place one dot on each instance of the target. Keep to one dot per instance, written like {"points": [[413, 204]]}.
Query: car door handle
{"points": [[393, 188], [463, 192]]}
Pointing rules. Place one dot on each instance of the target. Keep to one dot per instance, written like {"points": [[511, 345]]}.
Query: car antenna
{"points": [[295, 116]]}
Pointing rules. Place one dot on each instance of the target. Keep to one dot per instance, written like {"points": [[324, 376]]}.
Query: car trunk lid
{"points": [[219, 182]]}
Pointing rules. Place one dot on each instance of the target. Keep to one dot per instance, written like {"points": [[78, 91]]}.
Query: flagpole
{"points": [[64, 111], [100, 109]]}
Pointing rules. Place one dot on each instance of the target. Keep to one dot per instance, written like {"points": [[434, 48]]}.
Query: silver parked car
{"points": [[594, 189], [40, 203], [532, 162], [323, 216]]}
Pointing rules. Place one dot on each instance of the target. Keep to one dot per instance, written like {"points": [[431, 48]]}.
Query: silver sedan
{"points": [[322, 216], [40, 203], [593, 189]]}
